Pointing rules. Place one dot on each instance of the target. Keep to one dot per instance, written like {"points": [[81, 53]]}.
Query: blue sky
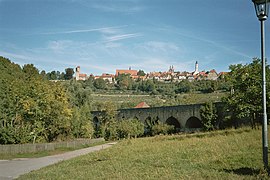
{"points": [[104, 35]]}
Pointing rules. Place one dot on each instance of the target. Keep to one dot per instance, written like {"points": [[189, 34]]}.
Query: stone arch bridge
{"points": [[181, 116]]}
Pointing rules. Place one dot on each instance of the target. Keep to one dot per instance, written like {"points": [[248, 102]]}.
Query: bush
{"points": [[81, 124], [111, 130], [162, 128], [208, 113], [130, 128]]}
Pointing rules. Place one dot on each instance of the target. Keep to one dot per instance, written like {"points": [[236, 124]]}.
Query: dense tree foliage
{"points": [[100, 84], [81, 102], [124, 82], [245, 100], [33, 109], [129, 128], [141, 73], [28, 111], [208, 114], [69, 73], [54, 75]]}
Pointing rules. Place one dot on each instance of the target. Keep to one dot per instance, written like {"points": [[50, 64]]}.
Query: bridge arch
{"points": [[193, 122], [174, 122]]}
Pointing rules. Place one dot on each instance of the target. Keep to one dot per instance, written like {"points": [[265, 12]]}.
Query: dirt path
{"points": [[10, 169]]}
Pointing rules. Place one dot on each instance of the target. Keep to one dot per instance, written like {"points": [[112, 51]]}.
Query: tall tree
{"points": [[245, 100], [69, 73], [141, 73], [100, 83], [208, 114], [32, 109], [124, 81]]}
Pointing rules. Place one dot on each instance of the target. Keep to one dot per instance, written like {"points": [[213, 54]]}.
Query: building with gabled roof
{"points": [[142, 105], [125, 71], [79, 76], [106, 77], [212, 75]]}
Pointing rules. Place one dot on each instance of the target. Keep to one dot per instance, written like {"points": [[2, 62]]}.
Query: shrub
{"points": [[162, 128], [130, 128], [208, 113]]}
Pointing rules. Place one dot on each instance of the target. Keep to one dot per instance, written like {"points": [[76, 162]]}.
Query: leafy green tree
{"points": [[208, 114], [124, 81], [245, 100], [129, 128], [80, 100], [147, 86], [141, 73], [108, 124], [78, 94], [43, 74], [184, 86], [89, 83], [81, 124], [53, 75], [213, 86], [100, 83], [69, 73], [32, 109]]}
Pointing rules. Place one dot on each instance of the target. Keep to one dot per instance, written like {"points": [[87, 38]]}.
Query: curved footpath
{"points": [[10, 169]]}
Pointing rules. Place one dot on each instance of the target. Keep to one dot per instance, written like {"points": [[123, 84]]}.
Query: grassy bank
{"points": [[233, 154]]}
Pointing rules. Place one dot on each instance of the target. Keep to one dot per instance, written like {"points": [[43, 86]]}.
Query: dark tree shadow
{"points": [[244, 171]]}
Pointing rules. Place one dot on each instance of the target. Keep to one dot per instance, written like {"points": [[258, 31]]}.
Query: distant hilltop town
{"points": [[170, 75]]}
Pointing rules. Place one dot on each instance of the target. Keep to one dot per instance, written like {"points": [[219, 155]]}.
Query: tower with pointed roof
{"points": [[171, 69], [196, 68], [77, 75]]}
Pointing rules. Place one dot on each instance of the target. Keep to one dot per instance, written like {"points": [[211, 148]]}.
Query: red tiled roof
{"points": [[82, 75], [104, 75], [142, 105], [213, 71], [223, 73], [131, 72]]}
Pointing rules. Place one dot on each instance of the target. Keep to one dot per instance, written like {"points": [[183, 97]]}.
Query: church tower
{"points": [[171, 70], [78, 69], [196, 68]]}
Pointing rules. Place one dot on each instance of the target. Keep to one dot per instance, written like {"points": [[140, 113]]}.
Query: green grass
{"points": [[46, 153], [230, 154]]}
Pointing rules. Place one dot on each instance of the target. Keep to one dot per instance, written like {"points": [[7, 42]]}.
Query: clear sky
{"points": [[104, 35]]}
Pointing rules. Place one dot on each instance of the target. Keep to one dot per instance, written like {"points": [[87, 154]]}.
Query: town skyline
{"points": [[113, 71], [170, 75]]}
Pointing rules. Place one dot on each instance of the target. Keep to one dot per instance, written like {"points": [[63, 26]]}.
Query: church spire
{"points": [[196, 68]]}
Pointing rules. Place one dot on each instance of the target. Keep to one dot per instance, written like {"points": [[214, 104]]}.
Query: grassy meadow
{"points": [[228, 154]]}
